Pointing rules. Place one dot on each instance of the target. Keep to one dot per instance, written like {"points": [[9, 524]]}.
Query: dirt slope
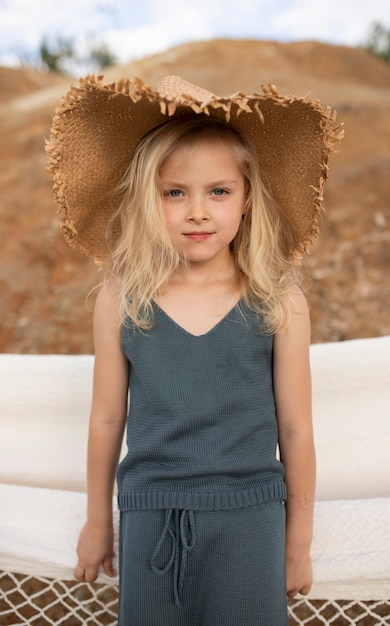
{"points": [[44, 283]]}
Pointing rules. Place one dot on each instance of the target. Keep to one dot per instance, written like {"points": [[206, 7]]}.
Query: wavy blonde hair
{"points": [[144, 257]]}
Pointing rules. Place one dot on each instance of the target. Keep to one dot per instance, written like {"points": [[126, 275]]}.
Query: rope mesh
{"points": [[339, 613], [30, 601], [39, 601]]}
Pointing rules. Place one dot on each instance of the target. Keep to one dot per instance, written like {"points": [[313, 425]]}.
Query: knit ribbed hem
{"points": [[217, 501]]}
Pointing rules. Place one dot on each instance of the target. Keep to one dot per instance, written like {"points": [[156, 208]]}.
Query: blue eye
{"points": [[219, 192], [174, 193]]}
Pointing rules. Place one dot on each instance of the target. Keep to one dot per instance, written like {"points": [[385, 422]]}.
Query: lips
{"points": [[198, 236]]}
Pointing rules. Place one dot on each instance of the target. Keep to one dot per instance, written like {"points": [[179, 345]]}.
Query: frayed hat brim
{"points": [[97, 127]]}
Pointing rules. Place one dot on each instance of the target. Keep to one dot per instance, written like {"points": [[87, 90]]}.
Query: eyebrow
{"points": [[225, 181], [218, 183]]}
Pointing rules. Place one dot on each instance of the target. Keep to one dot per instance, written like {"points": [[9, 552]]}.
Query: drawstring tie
{"points": [[183, 537]]}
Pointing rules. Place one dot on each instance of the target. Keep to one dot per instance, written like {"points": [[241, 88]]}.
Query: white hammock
{"points": [[44, 407]]}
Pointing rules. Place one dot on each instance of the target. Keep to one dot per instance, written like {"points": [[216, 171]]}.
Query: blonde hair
{"points": [[144, 257]]}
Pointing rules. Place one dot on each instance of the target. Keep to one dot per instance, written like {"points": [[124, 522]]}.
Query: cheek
{"points": [[236, 222], [168, 214], [172, 221]]}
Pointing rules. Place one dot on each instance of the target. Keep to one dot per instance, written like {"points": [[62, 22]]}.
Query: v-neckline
{"points": [[208, 332]]}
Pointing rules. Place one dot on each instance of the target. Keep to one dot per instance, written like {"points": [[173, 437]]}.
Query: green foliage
{"points": [[60, 54], [101, 56], [378, 41], [53, 56]]}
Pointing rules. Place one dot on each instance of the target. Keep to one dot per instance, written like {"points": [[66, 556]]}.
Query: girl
{"points": [[200, 208]]}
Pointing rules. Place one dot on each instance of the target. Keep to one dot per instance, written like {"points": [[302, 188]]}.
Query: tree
{"points": [[59, 55], [378, 41], [100, 55], [53, 56]]}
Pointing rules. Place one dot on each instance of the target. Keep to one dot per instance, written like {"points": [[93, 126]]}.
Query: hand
{"points": [[95, 549], [299, 575]]}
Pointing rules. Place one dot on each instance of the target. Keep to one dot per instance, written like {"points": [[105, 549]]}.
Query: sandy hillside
{"points": [[44, 283]]}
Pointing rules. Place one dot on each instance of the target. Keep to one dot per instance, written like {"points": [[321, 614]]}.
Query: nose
{"points": [[197, 211]]}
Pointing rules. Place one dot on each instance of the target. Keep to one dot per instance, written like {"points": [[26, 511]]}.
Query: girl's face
{"points": [[203, 193]]}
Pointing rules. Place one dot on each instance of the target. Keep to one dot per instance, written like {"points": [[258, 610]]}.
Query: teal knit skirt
{"points": [[203, 568]]}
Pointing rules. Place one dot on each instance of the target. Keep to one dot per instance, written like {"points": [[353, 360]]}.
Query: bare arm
{"points": [[292, 382], [106, 427]]}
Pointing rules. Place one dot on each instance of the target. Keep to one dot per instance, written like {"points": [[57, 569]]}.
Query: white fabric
{"points": [[351, 549], [44, 411], [39, 529], [351, 414]]}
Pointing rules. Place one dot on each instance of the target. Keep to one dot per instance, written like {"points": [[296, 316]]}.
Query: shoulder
{"points": [[291, 364], [111, 366], [295, 335], [106, 318], [298, 301], [107, 300], [107, 330]]}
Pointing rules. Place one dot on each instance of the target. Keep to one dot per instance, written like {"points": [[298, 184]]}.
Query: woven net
{"points": [[38, 601]]}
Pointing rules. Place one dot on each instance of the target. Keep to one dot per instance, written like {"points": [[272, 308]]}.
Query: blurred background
{"points": [[337, 52]]}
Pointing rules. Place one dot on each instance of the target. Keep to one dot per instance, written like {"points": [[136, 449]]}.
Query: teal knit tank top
{"points": [[201, 429]]}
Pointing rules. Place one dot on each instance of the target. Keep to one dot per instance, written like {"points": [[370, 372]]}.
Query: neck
{"points": [[203, 274]]}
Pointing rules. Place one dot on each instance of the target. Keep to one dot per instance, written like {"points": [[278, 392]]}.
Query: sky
{"points": [[136, 28]]}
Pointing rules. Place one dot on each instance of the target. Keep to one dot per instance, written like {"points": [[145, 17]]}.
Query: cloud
{"points": [[24, 24], [336, 22], [135, 28]]}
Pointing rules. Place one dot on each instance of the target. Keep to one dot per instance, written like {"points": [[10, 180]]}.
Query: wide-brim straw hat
{"points": [[97, 127]]}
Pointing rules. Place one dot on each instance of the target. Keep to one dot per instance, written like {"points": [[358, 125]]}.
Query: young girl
{"points": [[200, 208]]}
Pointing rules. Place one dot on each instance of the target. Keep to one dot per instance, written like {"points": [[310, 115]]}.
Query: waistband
{"points": [[261, 493]]}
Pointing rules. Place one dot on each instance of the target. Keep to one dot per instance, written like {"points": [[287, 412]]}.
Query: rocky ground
{"points": [[44, 284]]}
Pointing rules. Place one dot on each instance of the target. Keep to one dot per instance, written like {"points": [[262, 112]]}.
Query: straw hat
{"points": [[97, 127]]}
